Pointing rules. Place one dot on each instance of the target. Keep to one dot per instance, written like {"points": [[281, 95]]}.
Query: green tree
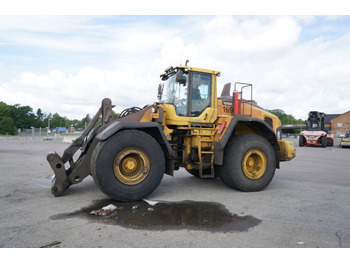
{"points": [[7, 126], [86, 120], [73, 123], [115, 115], [46, 121], [57, 120], [285, 118], [39, 119], [83, 123], [4, 110], [23, 116]]}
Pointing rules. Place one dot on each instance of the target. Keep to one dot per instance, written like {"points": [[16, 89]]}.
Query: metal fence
{"points": [[43, 134], [38, 133]]}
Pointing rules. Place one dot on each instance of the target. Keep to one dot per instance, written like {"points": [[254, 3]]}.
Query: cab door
{"points": [[201, 105]]}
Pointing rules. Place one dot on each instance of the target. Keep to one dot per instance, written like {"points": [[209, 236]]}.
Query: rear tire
{"points": [[128, 166], [301, 141], [323, 141], [249, 163]]}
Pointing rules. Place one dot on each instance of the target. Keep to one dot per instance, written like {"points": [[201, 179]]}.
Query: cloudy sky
{"points": [[68, 64]]}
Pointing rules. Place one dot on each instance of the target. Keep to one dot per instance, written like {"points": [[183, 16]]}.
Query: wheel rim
{"points": [[131, 166], [254, 164]]}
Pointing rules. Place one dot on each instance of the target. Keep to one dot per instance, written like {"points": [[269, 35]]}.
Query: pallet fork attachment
{"points": [[78, 169]]}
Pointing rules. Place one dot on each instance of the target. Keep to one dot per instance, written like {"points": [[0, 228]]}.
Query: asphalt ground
{"points": [[307, 205]]}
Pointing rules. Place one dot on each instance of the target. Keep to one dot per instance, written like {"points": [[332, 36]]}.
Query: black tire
{"points": [[301, 141], [323, 141], [128, 166], [249, 163]]}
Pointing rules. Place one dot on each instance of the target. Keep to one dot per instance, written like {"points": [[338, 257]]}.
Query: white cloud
{"points": [[79, 34], [287, 73], [226, 37], [75, 96]]}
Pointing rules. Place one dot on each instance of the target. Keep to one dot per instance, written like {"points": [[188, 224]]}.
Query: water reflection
{"points": [[192, 215]]}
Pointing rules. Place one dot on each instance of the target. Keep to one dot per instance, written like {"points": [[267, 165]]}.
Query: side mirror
{"points": [[180, 77], [160, 91]]}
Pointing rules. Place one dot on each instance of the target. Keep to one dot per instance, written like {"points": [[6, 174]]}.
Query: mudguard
{"points": [[152, 128], [264, 128]]}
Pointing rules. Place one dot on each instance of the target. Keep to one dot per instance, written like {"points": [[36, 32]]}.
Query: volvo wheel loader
{"points": [[190, 126]]}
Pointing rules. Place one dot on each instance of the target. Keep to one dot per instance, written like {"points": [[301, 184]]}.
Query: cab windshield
{"points": [[176, 94]]}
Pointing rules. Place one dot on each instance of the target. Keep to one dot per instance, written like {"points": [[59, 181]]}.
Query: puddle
{"points": [[151, 215]]}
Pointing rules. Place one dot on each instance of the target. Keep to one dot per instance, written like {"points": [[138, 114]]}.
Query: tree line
{"points": [[16, 118], [285, 118]]}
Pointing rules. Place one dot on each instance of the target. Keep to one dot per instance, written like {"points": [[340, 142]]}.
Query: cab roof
{"points": [[170, 70]]}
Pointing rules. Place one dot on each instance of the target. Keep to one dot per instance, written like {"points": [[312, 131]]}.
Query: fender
{"points": [[265, 130], [154, 129]]}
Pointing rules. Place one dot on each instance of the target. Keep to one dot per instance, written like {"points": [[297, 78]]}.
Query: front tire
{"points": [[128, 166], [249, 163]]}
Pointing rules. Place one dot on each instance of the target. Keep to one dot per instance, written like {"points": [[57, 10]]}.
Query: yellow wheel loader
{"points": [[190, 126]]}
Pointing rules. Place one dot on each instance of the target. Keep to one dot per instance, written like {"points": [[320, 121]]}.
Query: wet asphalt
{"points": [[307, 205]]}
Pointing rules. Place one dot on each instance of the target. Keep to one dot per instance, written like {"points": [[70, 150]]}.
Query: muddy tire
{"points": [[249, 163], [128, 166]]}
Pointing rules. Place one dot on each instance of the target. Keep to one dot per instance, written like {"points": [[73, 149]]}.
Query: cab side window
{"points": [[201, 93]]}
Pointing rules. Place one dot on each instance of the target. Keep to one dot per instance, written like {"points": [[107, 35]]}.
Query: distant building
{"points": [[340, 124], [327, 121]]}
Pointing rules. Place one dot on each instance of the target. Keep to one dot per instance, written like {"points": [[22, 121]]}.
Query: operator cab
{"points": [[188, 90], [315, 121]]}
